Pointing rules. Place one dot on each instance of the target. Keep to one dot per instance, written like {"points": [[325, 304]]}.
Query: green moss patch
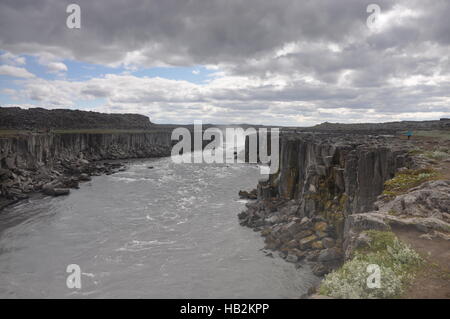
{"points": [[437, 154], [407, 179]]}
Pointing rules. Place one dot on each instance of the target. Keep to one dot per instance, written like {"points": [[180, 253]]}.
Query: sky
{"points": [[284, 62]]}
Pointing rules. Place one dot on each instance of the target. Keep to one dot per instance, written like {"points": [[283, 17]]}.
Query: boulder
{"points": [[365, 221], [51, 189], [307, 241], [303, 234], [320, 270], [85, 177], [328, 242], [320, 226], [317, 245], [330, 254], [291, 258]]}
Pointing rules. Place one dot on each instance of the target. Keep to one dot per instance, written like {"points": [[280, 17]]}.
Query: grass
{"points": [[98, 131], [8, 133], [407, 179], [442, 134], [437, 154], [398, 264], [12, 132]]}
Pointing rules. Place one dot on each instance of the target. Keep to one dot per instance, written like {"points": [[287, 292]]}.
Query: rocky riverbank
{"points": [[53, 163], [329, 191]]}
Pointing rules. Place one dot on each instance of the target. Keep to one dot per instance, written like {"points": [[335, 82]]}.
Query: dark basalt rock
{"points": [[322, 181], [248, 195], [30, 161]]}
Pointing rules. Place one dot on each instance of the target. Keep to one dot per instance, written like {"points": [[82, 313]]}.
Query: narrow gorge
{"points": [[328, 193]]}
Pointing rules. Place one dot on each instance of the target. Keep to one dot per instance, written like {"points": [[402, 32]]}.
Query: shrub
{"points": [[350, 282], [397, 262]]}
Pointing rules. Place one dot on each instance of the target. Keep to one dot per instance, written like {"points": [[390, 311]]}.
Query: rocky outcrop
{"points": [[424, 208], [323, 179], [53, 163], [41, 119], [34, 150], [253, 194], [429, 200]]}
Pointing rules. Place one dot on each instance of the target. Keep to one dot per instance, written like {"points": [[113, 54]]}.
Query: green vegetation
{"points": [[443, 134], [407, 179], [415, 151], [437, 154], [7, 133], [397, 262], [97, 131]]}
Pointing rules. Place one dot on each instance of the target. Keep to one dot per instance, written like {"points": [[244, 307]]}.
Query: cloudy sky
{"points": [[283, 62]]}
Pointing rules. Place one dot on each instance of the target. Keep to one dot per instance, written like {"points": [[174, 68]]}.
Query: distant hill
{"points": [[376, 128], [16, 118]]}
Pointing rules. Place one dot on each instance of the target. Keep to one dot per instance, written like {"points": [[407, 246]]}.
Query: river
{"points": [[167, 232]]}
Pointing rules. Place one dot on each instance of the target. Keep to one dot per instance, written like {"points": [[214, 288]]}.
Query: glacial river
{"points": [[167, 232]]}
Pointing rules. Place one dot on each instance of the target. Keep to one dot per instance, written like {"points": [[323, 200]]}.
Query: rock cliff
{"points": [[301, 210], [53, 162], [33, 150]]}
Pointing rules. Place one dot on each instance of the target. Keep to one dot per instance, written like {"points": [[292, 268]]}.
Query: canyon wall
{"points": [[323, 171], [55, 162], [323, 179], [29, 151]]}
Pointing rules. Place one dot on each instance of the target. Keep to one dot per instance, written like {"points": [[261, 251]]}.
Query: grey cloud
{"points": [[171, 31], [366, 70]]}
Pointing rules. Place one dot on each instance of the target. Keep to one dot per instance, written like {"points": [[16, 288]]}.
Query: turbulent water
{"points": [[167, 232]]}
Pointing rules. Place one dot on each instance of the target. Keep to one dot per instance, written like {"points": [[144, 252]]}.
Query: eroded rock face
{"points": [[317, 198], [431, 199], [28, 162], [30, 151], [317, 171], [424, 208]]}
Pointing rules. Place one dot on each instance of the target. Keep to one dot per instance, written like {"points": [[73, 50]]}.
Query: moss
{"points": [[415, 151], [436, 155], [102, 131], [397, 261], [407, 179], [291, 183], [392, 212], [9, 133], [379, 241], [343, 201]]}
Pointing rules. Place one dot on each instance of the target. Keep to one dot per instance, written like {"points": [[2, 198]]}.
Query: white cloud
{"points": [[12, 59], [56, 67], [52, 63], [15, 71], [278, 99], [8, 91]]}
